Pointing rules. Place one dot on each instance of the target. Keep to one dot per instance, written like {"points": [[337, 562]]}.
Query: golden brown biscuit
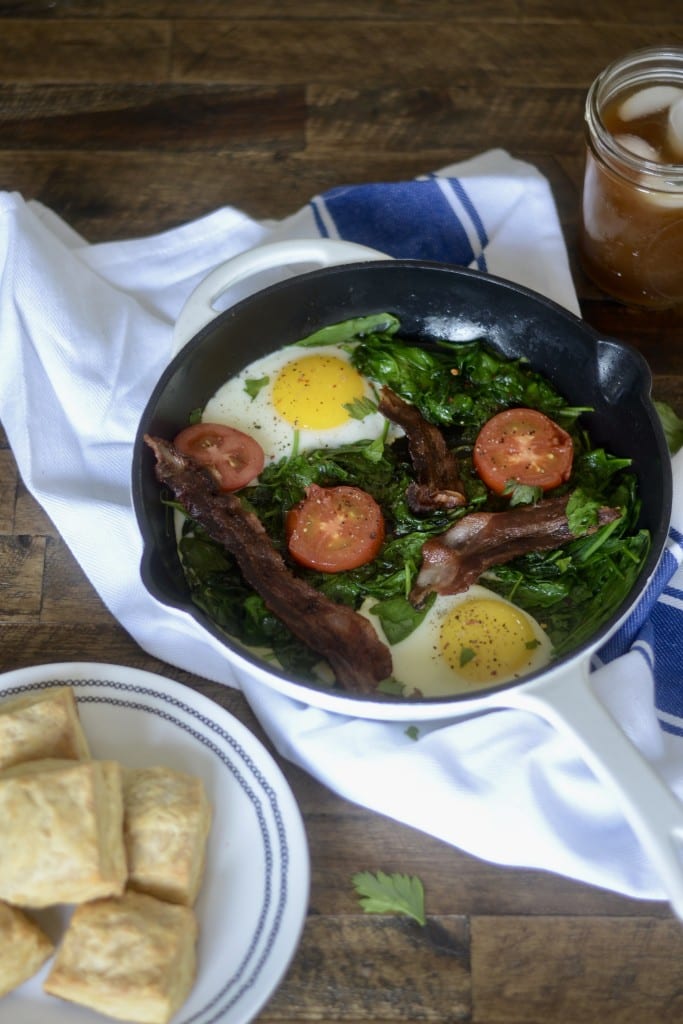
{"points": [[41, 725], [24, 948], [61, 837], [45, 764], [167, 817], [131, 957]]}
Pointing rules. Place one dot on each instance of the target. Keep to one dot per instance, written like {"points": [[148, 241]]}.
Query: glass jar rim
{"points": [[643, 63]]}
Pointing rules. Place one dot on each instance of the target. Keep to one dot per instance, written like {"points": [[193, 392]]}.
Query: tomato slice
{"points": [[523, 446], [334, 528], [232, 457]]}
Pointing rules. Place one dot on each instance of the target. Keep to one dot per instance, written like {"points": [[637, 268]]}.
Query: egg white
{"points": [[234, 406], [420, 664]]}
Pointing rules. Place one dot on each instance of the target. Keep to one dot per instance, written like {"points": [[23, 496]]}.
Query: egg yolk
{"points": [[485, 640], [311, 392]]}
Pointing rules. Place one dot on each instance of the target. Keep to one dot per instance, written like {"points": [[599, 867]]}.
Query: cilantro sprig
{"points": [[381, 893]]}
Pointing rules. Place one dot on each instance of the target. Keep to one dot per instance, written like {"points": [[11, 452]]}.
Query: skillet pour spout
{"points": [[434, 302]]}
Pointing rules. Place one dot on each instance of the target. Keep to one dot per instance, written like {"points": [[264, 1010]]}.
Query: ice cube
{"points": [[649, 101], [665, 200], [639, 147], [675, 127]]}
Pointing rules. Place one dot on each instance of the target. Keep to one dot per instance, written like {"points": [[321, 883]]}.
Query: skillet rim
{"points": [[143, 460]]}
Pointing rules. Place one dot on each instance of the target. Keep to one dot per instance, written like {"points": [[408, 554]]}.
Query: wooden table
{"points": [[130, 117]]}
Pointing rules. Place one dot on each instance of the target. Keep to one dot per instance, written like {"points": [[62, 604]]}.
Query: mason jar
{"points": [[631, 224]]}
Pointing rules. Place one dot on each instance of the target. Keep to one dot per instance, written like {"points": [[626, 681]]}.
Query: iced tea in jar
{"points": [[631, 231]]}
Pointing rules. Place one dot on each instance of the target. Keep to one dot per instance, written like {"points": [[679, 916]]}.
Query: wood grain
{"points": [[403, 973], [579, 971], [124, 118], [84, 51], [557, 12], [128, 118], [386, 53]]}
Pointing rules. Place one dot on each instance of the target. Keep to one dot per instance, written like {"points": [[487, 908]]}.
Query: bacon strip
{"points": [[456, 559], [438, 483], [356, 655]]}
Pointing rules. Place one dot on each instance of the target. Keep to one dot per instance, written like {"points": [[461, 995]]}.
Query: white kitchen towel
{"points": [[85, 332]]}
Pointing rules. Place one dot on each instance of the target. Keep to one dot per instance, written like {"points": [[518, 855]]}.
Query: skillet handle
{"points": [[569, 702], [199, 309]]}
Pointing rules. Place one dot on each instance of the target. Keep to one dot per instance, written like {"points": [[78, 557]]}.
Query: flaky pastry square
{"points": [[61, 832], [167, 817], [39, 725], [24, 948], [131, 957]]}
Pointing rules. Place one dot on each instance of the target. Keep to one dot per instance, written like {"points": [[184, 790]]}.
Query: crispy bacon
{"points": [[437, 483], [456, 559], [355, 653]]}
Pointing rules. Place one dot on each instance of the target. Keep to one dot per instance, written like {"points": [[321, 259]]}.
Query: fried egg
{"points": [[466, 642], [301, 393]]}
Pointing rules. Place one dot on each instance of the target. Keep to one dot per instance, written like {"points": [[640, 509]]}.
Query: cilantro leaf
{"points": [[582, 512], [466, 655], [391, 894], [360, 408], [254, 385], [351, 330], [398, 617], [673, 426], [522, 494], [374, 450]]}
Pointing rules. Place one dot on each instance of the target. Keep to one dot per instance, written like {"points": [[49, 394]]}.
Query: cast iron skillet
{"points": [[434, 301]]}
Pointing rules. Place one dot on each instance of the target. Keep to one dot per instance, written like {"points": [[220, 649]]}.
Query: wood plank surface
{"points": [[128, 118]]}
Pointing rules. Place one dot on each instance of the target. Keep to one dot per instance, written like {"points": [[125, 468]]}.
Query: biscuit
{"points": [[61, 834], [38, 725], [131, 957], [167, 817], [24, 948]]}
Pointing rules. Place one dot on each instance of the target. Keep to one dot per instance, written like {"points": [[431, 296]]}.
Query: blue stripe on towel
{"points": [[675, 730], [408, 220], [676, 535], [667, 621], [315, 204], [462, 195]]}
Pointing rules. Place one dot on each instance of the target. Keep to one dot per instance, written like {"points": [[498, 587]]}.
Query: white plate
{"points": [[254, 898]]}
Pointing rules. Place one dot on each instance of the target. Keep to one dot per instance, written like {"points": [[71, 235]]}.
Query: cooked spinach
{"points": [[571, 591]]}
